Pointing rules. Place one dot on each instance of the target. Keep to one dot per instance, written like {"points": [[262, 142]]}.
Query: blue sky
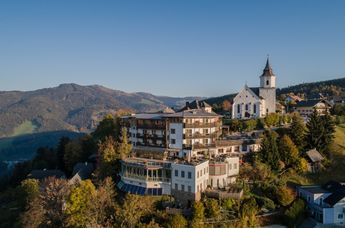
{"points": [[176, 47]]}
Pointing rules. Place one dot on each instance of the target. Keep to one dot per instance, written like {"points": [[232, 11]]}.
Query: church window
{"points": [[238, 108], [267, 82], [246, 107], [254, 108]]}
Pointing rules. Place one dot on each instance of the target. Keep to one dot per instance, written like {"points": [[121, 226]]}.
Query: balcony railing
{"points": [[150, 136], [199, 135], [151, 126], [201, 125]]}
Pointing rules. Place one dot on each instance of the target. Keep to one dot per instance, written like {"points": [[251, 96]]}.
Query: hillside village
{"points": [[259, 161]]}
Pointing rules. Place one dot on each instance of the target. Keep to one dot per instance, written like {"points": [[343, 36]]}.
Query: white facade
{"points": [[176, 135], [222, 173], [256, 102], [190, 178]]}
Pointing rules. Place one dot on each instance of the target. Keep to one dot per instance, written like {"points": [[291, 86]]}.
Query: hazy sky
{"points": [[176, 48]]}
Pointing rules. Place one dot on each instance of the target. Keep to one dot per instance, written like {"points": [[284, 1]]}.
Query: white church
{"points": [[256, 102]]}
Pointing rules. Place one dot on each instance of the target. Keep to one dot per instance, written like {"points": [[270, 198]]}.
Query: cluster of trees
{"points": [[55, 203], [272, 120], [288, 149]]}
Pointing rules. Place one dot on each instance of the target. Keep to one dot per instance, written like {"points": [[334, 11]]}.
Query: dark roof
{"points": [[314, 155], [308, 103], [335, 197], [256, 90], [195, 105], [42, 174], [268, 69], [338, 192], [84, 170]]}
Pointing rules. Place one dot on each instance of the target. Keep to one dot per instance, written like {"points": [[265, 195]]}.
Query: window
{"points": [[340, 216], [230, 166], [267, 82], [173, 141], [173, 131], [238, 108], [267, 110], [254, 108], [176, 186], [197, 174], [176, 173], [204, 170], [189, 188], [182, 174], [235, 166], [197, 188], [246, 107], [189, 175]]}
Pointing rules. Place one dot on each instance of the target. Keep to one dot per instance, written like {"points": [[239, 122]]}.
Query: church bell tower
{"points": [[268, 88]]}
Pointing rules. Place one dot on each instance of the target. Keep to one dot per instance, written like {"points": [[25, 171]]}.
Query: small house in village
{"points": [[314, 159]]}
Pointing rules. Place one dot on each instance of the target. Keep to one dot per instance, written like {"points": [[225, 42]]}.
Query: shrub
{"points": [[295, 214]]}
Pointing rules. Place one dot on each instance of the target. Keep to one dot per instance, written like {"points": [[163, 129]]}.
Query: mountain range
{"points": [[72, 107]]}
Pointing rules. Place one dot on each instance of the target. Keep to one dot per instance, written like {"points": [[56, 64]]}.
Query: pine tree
{"points": [[315, 132], [297, 131], [329, 129], [269, 152]]}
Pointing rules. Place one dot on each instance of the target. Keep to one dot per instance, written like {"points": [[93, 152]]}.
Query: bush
{"points": [[295, 214], [265, 202]]}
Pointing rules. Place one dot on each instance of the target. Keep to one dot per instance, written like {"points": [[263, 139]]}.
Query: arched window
{"points": [[267, 82], [254, 108], [246, 107], [238, 108]]}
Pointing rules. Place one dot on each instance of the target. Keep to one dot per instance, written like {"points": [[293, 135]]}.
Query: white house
{"points": [[325, 203], [256, 102]]}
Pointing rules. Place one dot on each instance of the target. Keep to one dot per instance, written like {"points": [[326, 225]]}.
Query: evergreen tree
{"points": [[329, 129], [60, 153], [297, 131], [269, 152], [315, 132]]}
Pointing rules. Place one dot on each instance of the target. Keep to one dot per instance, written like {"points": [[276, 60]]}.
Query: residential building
{"points": [[307, 107], [256, 102], [181, 154], [325, 203], [292, 98], [174, 133]]}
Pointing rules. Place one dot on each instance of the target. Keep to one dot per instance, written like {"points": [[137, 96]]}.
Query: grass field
{"points": [[25, 128], [336, 169]]}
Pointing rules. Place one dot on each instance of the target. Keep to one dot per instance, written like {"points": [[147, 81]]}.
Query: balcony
{"points": [[151, 126], [150, 136], [199, 135], [201, 125]]}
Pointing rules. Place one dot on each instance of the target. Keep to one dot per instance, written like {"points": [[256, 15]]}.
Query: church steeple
{"points": [[267, 79], [268, 69]]}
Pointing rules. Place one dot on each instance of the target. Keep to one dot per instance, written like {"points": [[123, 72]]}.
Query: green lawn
{"points": [[25, 128], [336, 169]]}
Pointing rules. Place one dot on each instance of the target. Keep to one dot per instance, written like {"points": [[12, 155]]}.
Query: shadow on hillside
{"points": [[24, 147]]}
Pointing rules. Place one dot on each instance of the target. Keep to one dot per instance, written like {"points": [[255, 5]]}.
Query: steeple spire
{"points": [[268, 69]]}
